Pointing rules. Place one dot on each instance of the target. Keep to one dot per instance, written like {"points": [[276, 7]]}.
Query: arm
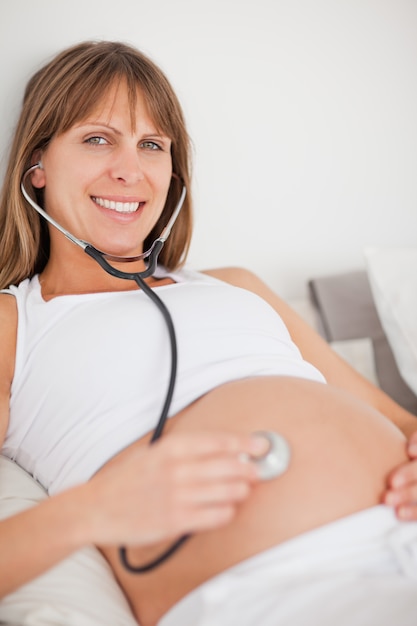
{"points": [[189, 483], [31, 541]]}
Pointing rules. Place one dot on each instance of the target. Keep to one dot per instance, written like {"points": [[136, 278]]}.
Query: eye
{"points": [[150, 145], [96, 141]]}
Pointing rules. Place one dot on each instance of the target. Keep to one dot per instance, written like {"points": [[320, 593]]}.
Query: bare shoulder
{"points": [[8, 312], [8, 334], [238, 276], [244, 278]]}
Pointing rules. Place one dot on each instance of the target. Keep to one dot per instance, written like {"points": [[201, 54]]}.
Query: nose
{"points": [[126, 166]]}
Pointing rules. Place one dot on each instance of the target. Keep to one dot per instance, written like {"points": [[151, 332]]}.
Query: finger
{"points": [[402, 497], [403, 475], [216, 493], [209, 518], [407, 513], [221, 468], [207, 443], [412, 445]]}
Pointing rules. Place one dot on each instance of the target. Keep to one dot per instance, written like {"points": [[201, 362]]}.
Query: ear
{"points": [[38, 175]]}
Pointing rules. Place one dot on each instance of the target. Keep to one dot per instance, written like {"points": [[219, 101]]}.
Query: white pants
{"points": [[358, 571]]}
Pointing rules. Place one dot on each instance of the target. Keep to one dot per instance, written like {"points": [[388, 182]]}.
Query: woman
{"points": [[85, 362]]}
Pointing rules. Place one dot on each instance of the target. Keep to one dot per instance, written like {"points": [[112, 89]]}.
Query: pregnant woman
{"points": [[102, 148]]}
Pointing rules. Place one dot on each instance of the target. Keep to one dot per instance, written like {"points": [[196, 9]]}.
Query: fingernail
{"points": [[259, 445], [412, 449]]}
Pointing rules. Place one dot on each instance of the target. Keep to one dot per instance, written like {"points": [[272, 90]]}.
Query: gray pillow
{"points": [[346, 310]]}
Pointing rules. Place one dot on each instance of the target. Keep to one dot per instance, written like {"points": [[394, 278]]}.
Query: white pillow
{"points": [[80, 591], [392, 273]]}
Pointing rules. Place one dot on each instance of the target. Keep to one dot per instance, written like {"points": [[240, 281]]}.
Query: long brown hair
{"points": [[60, 94]]}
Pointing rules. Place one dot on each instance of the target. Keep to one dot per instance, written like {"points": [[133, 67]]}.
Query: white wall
{"points": [[303, 115]]}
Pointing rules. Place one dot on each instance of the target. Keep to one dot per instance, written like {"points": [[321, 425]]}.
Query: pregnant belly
{"points": [[341, 453]]}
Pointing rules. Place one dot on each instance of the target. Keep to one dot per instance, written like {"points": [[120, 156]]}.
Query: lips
{"points": [[119, 207]]}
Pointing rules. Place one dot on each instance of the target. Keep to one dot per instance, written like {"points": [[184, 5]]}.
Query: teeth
{"points": [[120, 207]]}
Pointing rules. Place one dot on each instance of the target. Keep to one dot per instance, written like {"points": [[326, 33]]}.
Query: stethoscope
{"points": [[276, 459], [102, 257], [151, 259]]}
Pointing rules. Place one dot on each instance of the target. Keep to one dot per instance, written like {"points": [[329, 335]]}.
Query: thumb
{"points": [[412, 445]]}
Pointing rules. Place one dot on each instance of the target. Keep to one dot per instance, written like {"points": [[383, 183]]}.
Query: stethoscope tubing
{"points": [[164, 556], [151, 255]]}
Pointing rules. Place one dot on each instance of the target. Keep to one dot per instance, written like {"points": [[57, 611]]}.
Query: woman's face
{"points": [[104, 181]]}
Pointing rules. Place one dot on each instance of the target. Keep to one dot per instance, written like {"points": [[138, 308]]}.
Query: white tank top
{"points": [[92, 370]]}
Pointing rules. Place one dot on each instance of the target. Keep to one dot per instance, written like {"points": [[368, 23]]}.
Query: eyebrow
{"points": [[151, 133]]}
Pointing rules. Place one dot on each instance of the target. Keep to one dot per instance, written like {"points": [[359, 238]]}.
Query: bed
{"points": [[369, 316]]}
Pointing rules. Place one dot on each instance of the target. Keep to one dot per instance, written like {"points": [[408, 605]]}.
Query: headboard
{"points": [[346, 310]]}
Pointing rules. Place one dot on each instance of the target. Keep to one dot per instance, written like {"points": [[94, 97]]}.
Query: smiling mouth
{"points": [[119, 207]]}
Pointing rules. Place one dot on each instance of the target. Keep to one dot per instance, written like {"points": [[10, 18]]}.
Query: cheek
{"points": [[165, 184], [70, 180], [161, 176], [63, 190]]}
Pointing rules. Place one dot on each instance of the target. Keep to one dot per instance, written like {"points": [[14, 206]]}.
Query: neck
{"points": [[71, 270]]}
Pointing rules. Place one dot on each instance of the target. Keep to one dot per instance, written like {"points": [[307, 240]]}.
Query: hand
{"points": [[182, 483], [402, 485]]}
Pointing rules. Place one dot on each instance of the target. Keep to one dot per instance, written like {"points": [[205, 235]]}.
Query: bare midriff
{"points": [[342, 452]]}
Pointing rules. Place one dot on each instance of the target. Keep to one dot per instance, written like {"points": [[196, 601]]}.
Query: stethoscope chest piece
{"points": [[277, 459]]}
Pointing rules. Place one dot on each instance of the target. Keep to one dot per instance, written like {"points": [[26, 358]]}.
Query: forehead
{"points": [[118, 101]]}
